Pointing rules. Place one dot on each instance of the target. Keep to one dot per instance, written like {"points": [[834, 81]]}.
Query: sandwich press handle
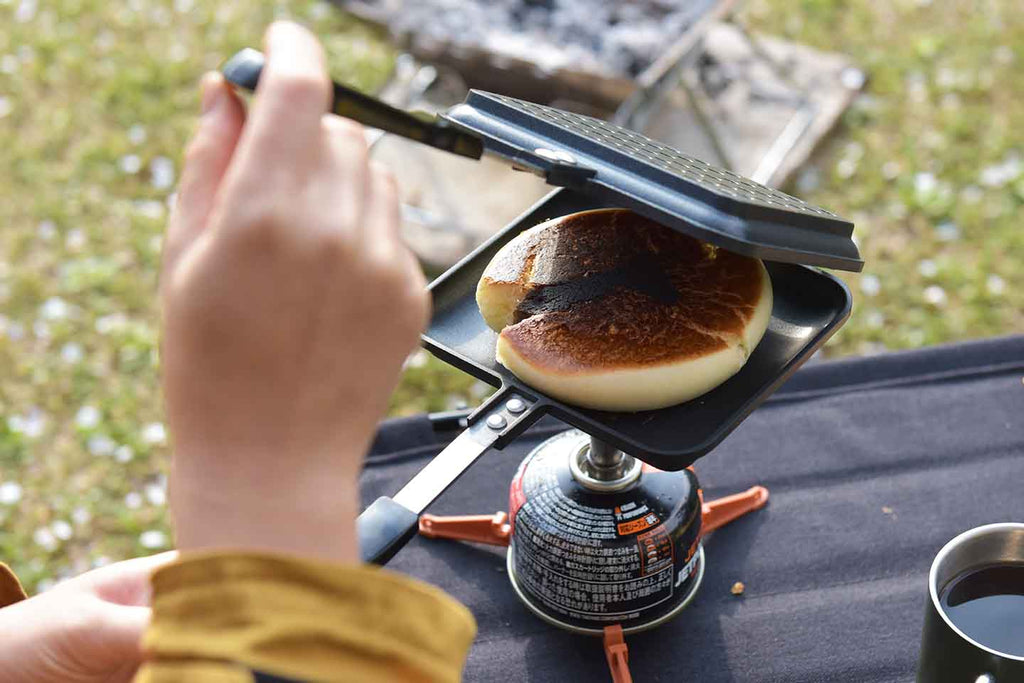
{"points": [[387, 524], [245, 68]]}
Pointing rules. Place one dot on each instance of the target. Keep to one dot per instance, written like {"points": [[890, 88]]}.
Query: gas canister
{"points": [[598, 538]]}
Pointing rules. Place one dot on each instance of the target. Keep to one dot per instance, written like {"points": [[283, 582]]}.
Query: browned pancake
{"points": [[606, 291]]}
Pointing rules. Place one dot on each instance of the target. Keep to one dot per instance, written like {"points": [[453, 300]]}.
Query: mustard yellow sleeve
{"points": [[221, 617], [10, 588]]}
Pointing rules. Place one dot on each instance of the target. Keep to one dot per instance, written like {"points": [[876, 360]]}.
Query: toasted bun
{"points": [[607, 309]]}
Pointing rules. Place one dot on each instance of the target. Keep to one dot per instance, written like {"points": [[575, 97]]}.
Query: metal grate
{"points": [[673, 164]]}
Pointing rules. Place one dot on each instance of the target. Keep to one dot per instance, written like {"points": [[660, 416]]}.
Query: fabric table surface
{"points": [[873, 464]]}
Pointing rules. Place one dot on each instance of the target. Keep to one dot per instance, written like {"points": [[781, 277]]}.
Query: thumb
{"points": [[206, 161]]}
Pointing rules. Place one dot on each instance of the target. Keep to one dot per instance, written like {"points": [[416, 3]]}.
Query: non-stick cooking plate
{"points": [[809, 306]]}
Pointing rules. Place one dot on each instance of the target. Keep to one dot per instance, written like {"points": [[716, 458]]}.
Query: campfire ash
{"points": [[613, 37]]}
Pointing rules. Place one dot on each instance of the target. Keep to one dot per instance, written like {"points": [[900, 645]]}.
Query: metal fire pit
{"points": [[593, 82]]}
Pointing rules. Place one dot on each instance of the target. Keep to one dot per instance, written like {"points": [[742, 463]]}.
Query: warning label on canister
{"points": [[597, 557]]}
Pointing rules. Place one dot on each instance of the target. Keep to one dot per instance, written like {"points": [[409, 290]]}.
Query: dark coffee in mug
{"points": [[987, 604]]}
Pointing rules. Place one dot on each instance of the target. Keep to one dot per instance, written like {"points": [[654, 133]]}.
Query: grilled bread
{"points": [[607, 309]]}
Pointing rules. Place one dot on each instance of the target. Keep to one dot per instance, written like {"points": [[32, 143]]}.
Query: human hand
{"points": [[86, 629], [289, 304]]}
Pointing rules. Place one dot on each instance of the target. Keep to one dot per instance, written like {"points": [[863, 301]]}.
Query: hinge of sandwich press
{"points": [[557, 166]]}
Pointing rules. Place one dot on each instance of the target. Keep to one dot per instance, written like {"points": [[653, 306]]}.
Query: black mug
{"points": [[948, 653]]}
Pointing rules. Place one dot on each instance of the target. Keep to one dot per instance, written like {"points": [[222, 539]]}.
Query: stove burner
{"points": [[599, 467]]}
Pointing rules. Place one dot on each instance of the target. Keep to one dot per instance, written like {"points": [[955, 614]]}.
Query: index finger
{"points": [[294, 92]]}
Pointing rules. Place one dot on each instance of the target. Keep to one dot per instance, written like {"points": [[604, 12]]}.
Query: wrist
{"points": [[310, 514]]}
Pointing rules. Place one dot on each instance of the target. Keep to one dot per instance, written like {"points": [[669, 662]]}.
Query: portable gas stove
{"points": [[605, 521]]}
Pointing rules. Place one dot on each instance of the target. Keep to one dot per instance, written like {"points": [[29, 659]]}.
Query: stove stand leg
{"points": [[717, 513], [490, 529], [617, 653]]}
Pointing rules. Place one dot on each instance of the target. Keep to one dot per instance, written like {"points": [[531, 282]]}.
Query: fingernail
{"points": [[212, 90]]}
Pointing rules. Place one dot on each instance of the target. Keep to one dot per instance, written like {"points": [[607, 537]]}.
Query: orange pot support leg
{"points": [[490, 529], [717, 513], [617, 653]]}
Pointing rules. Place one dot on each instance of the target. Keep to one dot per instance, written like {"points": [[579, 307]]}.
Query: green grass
{"points": [[97, 99]]}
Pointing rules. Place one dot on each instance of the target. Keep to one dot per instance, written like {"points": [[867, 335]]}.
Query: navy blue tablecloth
{"points": [[872, 463]]}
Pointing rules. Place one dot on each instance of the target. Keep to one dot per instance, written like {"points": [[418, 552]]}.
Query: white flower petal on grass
{"points": [[87, 417], [110, 323], [31, 425], [927, 268], [320, 10], [26, 11], [945, 78], [133, 500], [41, 329], [8, 64], [130, 164], [72, 353], [10, 493], [870, 285], [925, 183], [124, 453], [184, 6], [846, 168], [852, 78], [55, 308], [890, 170], [15, 330], [874, 319], [62, 530], [995, 284], [81, 516], [150, 208], [153, 539], [1002, 173], [417, 359], [935, 295], [154, 433], [137, 134], [45, 539], [101, 445], [46, 230], [155, 494], [75, 239], [161, 171]]}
